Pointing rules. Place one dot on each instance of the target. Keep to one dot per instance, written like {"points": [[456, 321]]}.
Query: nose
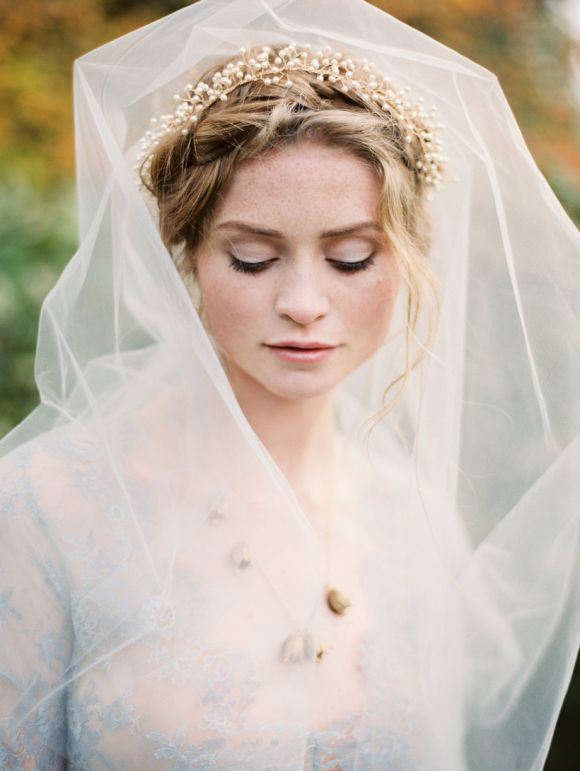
{"points": [[301, 294]]}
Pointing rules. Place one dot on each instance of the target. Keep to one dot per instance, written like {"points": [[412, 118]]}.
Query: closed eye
{"points": [[344, 266], [249, 267], [349, 267]]}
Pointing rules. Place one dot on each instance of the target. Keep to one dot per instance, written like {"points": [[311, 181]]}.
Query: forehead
{"points": [[309, 187]]}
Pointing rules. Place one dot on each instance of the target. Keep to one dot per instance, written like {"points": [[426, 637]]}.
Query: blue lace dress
{"points": [[106, 664]]}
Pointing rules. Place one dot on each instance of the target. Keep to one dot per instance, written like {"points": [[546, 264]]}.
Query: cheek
{"points": [[227, 312], [372, 310]]}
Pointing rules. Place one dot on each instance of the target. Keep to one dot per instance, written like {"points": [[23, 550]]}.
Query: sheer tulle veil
{"points": [[125, 492]]}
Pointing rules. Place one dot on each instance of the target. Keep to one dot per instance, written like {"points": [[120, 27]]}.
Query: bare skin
{"points": [[295, 257]]}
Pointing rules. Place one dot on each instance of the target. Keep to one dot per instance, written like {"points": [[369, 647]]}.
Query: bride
{"points": [[300, 493]]}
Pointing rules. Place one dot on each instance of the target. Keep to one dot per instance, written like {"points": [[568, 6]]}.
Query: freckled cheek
{"points": [[373, 309], [230, 315]]}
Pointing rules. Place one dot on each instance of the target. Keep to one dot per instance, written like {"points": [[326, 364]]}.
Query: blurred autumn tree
{"points": [[519, 40], [522, 41]]}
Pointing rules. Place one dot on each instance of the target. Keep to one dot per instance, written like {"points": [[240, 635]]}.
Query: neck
{"points": [[299, 434]]}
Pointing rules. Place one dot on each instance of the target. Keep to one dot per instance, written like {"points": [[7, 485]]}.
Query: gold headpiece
{"points": [[271, 65]]}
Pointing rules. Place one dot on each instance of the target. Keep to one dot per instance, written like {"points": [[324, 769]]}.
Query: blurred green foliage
{"points": [[522, 41], [37, 235]]}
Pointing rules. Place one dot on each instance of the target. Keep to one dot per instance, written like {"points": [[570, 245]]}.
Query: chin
{"points": [[288, 385], [301, 388]]}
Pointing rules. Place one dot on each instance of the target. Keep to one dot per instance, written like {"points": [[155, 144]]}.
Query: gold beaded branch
{"points": [[272, 66]]}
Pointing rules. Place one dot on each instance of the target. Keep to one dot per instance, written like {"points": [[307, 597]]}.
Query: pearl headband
{"points": [[272, 66]]}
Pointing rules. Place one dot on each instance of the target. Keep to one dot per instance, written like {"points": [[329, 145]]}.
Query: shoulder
{"points": [[54, 490], [39, 476]]}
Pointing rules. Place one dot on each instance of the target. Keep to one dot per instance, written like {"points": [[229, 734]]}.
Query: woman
{"points": [[306, 502]]}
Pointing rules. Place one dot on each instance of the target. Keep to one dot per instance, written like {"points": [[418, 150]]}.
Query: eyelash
{"points": [[354, 267], [343, 267]]}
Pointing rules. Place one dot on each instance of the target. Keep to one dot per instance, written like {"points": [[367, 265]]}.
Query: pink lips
{"points": [[293, 350]]}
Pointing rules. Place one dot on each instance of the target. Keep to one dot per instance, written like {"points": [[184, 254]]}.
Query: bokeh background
{"points": [[532, 45]]}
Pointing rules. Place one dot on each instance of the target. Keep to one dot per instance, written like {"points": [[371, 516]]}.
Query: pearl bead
{"points": [[298, 647], [221, 509], [321, 650], [241, 556], [337, 601]]}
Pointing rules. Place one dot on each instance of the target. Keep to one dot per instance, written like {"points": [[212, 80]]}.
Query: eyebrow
{"points": [[257, 231]]}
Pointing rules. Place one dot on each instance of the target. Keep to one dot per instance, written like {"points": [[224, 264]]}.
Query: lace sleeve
{"points": [[35, 638]]}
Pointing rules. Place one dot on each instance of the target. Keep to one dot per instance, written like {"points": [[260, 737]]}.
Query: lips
{"points": [[301, 352], [299, 345]]}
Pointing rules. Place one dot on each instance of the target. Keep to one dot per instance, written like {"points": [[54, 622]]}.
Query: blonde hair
{"points": [[189, 172]]}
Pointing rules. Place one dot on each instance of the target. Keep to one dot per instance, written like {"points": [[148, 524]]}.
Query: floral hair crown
{"points": [[274, 66]]}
